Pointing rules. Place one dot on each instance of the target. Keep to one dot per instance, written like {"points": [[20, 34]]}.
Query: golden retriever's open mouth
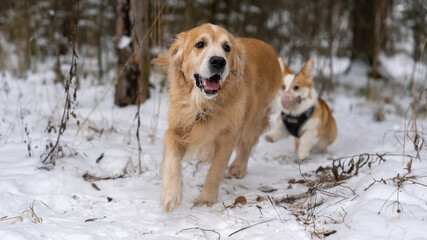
{"points": [[209, 86]]}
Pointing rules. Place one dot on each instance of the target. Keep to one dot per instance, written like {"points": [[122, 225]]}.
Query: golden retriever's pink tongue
{"points": [[210, 85]]}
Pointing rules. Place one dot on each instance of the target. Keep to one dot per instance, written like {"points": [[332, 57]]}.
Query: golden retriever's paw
{"points": [[201, 200], [170, 199], [268, 138], [237, 171]]}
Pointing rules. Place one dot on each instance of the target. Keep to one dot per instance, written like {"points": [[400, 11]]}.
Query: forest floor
{"points": [[96, 191]]}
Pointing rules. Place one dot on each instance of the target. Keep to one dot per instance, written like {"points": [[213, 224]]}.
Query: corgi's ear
{"points": [[308, 68], [285, 70], [281, 63]]}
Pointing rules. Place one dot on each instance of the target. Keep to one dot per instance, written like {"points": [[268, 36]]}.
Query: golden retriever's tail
{"points": [[162, 60]]}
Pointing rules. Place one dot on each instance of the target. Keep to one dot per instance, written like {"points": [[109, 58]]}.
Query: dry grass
{"points": [[417, 92], [29, 214]]}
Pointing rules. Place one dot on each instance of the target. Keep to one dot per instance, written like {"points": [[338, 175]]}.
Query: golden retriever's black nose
{"points": [[217, 64]]}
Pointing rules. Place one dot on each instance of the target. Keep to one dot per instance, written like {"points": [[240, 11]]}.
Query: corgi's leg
{"points": [[296, 145], [279, 131], [306, 142], [321, 146]]}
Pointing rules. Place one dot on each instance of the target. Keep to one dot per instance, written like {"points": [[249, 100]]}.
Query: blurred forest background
{"points": [[110, 31]]}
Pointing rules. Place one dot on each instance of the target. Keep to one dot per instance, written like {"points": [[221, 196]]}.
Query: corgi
{"points": [[304, 116]]}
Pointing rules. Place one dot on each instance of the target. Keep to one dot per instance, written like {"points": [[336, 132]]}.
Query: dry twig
{"points": [[266, 221], [201, 229]]}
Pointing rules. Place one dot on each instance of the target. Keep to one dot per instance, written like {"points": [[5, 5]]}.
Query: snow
{"points": [[128, 206], [124, 42]]}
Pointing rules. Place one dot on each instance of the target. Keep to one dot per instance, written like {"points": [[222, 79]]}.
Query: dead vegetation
{"points": [[348, 166], [29, 214], [71, 85], [399, 182], [324, 182]]}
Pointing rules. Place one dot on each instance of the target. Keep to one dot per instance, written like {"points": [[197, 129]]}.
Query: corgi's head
{"points": [[296, 88]]}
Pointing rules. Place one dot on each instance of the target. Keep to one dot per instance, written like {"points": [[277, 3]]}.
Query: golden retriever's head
{"points": [[206, 55]]}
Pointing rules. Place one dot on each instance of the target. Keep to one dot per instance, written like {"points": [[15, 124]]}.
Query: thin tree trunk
{"points": [[141, 42], [127, 84], [364, 30], [188, 11], [379, 33], [98, 38]]}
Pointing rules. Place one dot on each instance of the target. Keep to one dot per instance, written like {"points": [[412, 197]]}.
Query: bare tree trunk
{"points": [[133, 22], [98, 39], [379, 33], [187, 12], [141, 42], [364, 30], [127, 84], [22, 33]]}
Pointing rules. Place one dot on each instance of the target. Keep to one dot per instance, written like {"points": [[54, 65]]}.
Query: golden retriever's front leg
{"points": [[224, 145], [171, 171]]}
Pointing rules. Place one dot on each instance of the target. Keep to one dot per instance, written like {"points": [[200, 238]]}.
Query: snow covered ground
{"points": [[284, 199]]}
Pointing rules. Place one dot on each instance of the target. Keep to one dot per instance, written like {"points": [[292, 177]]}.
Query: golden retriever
{"points": [[220, 93]]}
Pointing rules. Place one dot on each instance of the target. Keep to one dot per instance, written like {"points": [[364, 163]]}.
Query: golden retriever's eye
{"points": [[226, 47], [296, 88], [283, 86], [200, 44]]}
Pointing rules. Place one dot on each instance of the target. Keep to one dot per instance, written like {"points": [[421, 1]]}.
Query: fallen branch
{"points": [[266, 221], [275, 209], [92, 178], [201, 229]]}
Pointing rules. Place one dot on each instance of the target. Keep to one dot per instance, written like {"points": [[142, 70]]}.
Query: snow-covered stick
{"points": [[70, 96]]}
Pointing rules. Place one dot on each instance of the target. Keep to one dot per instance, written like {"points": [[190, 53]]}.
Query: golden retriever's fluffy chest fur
{"points": [[202, 121]]}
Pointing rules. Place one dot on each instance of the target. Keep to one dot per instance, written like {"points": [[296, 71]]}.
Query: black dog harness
{"points": [[295, 123]]}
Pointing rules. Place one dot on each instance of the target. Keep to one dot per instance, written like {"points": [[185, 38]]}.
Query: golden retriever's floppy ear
{"points": [[162, 61], [237, 59], [173, 57], [176, 51], [285, 70], [308, 68]]}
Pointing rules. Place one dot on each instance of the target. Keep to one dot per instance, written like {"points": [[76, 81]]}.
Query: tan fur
{"points": [[327, 129], [234, 119], [320, 130]]}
